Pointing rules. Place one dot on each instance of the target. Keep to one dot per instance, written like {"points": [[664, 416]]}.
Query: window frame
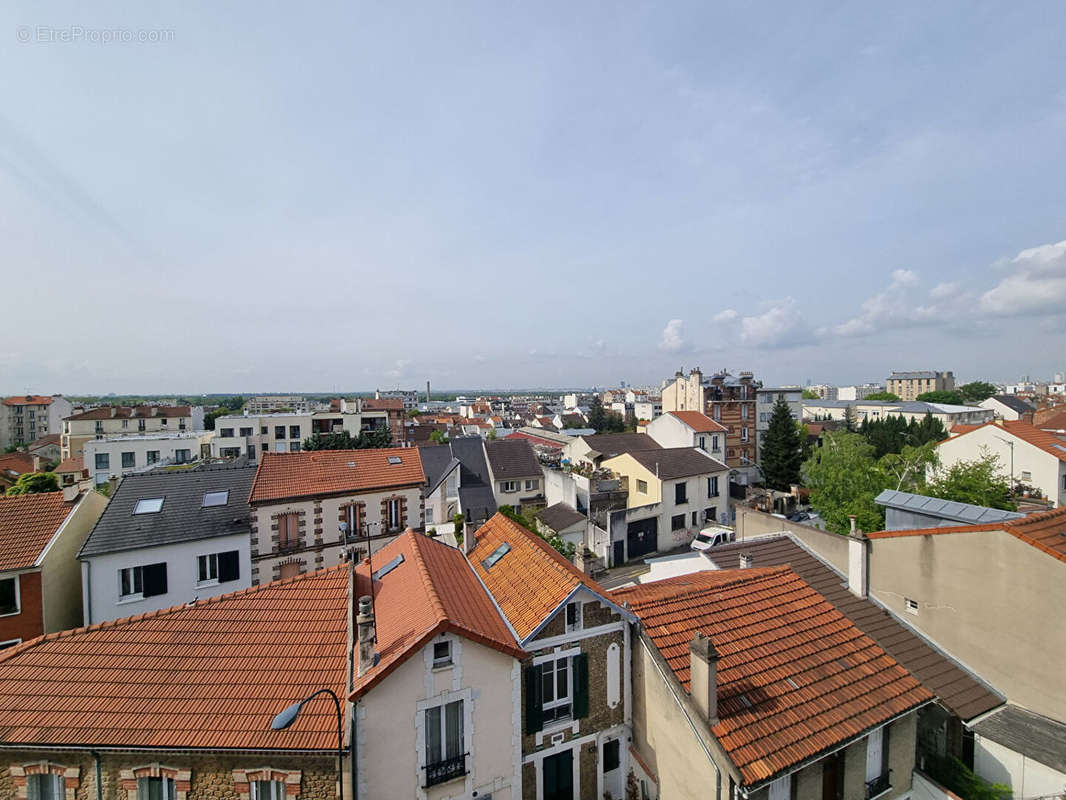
{"points": [[58, 789], [162, 501], [102, 457], [210, 561], [532, 484], [509, 487], [132, 459], [444, 752], [225, 500], [550, 667], [167, 784], [277, 791], [681, 493], [577, 622], [393, 521], [675, 525], [136, 577], [18, 595], [445, 660], [642, 486], [712, 486]]}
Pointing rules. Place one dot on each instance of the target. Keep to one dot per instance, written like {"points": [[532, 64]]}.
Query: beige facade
{"points": [[109, 421], [61, 596], [26, 418], [908, 385]]}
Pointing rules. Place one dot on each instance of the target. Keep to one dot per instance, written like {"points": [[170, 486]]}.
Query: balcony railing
{"points": [[444, 771], [878, 786]]}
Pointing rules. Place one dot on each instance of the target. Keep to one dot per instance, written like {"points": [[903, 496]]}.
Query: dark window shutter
{"points": [[154, 579], [581, 686], [534, 712], [228, 566]]}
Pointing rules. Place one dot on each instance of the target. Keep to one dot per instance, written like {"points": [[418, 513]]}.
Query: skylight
{"points": [[385, 570], [216, 498], [151, 505], [497, 554], [395, 460]]}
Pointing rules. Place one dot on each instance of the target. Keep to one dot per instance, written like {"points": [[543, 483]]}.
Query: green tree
{"points": [[951, 398], [981, 482], [614, 423], [414, 412], [440, 437], [229, 405], [810, 394], [35, 483], [782, 449], [892, 398], [567, 549], [345, 441], [492, 435], [844, 478], [905, 471], [597, 416], [850, 420], [976, 391]]}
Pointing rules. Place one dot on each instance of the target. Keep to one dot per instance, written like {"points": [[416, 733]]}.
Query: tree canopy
{"points": [[893, 432], [782, 449], [976, 391], [951, 398], [981, 482], [892, 398], [810, 394], [35, 483], [345, 441]]}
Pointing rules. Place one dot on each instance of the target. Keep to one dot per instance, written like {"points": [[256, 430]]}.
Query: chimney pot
{"points": [[703, 669], [367, 635], [747, 560], [858, 562]]}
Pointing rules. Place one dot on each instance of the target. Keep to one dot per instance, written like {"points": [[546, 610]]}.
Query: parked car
{"points": [[713, 536], [799, 516]]}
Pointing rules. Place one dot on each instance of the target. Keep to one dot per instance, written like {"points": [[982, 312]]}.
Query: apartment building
{"points": [[948, 415], [277, 403], [908, 385], [98, 423], [409, 397], [127, 455], [765, 400], [26, 418], [689, 429]]}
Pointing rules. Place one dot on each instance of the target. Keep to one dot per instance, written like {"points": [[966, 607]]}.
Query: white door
{"points": [[873, 755]]}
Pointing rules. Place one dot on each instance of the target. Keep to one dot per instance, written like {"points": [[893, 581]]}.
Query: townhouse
{"points": [[1009, 407], [96, 423], [24, 418], [112, 456], [689, 429], [40, 588], [316, 508], [168, 538], [516, 475]]}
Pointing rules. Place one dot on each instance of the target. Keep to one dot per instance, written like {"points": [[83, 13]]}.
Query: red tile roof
{"points": [[432, 591], [1055, 423], [699, 422], [205, 676], [44, 441], [537, 440], [14, 464], [28, 400], [1045, 531], [315, 473], [958, 430], [1048, 442], [531, 580], [383, 404], [127, 412], [75, 464], [795, 676], [27, 524]]}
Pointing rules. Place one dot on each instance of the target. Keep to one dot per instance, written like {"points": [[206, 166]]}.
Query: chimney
{"points": [[858, 561], [747, 560], [114, 482], [703, 666], [70, 493], [367, 635], [469, 535], [114, 411]]}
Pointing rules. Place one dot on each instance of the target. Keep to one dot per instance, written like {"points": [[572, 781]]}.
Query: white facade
{"points": [[859, 392], [126, 455], [648, 409], [267, 404], [948, 415], [1026, 777], [670, 431], [102, 579], [443, 504], [1000, 409], [248, 435]]}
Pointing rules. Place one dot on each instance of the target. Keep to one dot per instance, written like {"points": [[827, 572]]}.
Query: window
{"points": [[229, 452], [294, 447], [129, 460], [445, 759], [103, 461], [677, 522], [149, 505], [207, 568], [125, 423], [288, 531], [744, 434], [714, 443], [712, 486], [216, 498], [556, 689], [574, 616], [130, 583], [140, 425], [44, 787], [246, 431], [695, 519], [717, 412], [156, 788], [267, 790], [149, 580], [279, 431], [642, 486], [152, 457], [743, 412], [680, 493], [263, 430], [877, 772], [710, 514], [163, 422], [9, 596], [911, 606], [294, 431], [509, 486], [612, 755], [496, 555], [225, 433], [532, 485], [429, 515], [99, 427], [217, 567], [781, 789], [703, 443], [1026, 475], [442, 654], [393, 512], [9, 643]]}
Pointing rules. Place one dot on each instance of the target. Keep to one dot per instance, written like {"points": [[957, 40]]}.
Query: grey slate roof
{"points": [[613, 444], [560, 516], [475, 487], [947, 509], [959, 691], [182, 518], [1039, 738], [1014, 403], [670, 463], [512, 458], [437, 461]]}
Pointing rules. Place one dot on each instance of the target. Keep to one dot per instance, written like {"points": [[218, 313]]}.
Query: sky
{"points": [[239, 197]]}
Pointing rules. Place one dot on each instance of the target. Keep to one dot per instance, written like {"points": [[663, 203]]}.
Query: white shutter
{"points": [[873, 755]]}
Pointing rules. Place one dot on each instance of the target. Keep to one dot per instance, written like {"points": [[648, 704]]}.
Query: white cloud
{"points": [[945, 290], [892, 307], [725, 316], [782, 325], [400, 368], [673, 338], [1037, 285]]}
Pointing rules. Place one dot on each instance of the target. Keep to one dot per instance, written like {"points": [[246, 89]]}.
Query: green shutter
{"points": [[581, 685], [534, 715]]}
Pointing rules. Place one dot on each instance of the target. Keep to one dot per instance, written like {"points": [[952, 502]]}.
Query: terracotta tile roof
{"points": [[1055, 423], [531, 580], [431, 591], [27, 524], [15, 464], [1048, 442], [795, 676], [1045, 531], [698, 421], [958, 430], [44, 441], [537, 440], [313, 473], [75, 464], [28, 400], [206, 676], [383, 404], [128, 412]]}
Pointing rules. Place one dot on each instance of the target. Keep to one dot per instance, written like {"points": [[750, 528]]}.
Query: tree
{"points": [[951, 398], [907, 468], [844, 479], [782, 449], [229, 405], [567, 549], [976, 391], [414, 412], [892, 398], [850, 419], [345, 441], [35, 483], [981, 482], [810, 394], [440, 437], [615, 423], [597, 416], [492, 435]]}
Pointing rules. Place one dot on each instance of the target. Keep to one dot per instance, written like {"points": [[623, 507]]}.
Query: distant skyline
{"points": [[544, 195]]}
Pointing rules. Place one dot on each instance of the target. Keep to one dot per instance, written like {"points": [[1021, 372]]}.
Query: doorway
{"points": [[558, 776]]}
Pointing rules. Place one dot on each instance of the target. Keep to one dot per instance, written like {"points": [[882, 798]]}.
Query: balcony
{"points": [[878, 786], [444, 771]]}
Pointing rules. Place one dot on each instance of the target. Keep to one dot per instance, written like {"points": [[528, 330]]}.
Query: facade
{"points": [[25, 418], [948, 415], [592, 450], [317, 508], [1009, 407], [409, 397], [128, 455], [97, 423], [275, 403], [857, 392], [39, 580], [168, 538], [689, 429], [908, 385], [765, 398], [515, 474]]}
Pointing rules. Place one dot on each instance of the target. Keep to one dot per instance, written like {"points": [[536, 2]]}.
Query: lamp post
{"points": [[286, 717], [1010, 444]]}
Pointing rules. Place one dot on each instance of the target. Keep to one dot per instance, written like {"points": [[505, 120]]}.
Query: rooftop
{"points": [[28, 400], [1013, 402], [128, 412], [1039, 738], [946, 509], [27, 524], [613, 444], [698, 421], [316, 473], [560, 516], [15, 464], [512, 458], [1048, 442], [670, 463]]}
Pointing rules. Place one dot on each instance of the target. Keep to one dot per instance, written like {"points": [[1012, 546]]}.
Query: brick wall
{"points": [[28, 624]]}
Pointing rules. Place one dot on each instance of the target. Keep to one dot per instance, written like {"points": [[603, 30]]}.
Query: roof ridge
{"points": [[750, 575], [427, 579]]}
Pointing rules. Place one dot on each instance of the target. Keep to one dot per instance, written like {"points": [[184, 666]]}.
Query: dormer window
{"points": [[442, 654], [151, 505]]}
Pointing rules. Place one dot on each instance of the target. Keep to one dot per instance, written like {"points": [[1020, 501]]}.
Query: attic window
{"points": [[152, 505], [385, 570], [216, 498], [744, 699], [395, 460], [497, 554], [792, 683]]}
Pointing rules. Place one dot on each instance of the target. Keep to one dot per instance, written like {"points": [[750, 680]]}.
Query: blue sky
{"points": [[280, 197]]}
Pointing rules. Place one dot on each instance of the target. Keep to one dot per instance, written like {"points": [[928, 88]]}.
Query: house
{"points": [[592, 450], [167, 538], [749, 683], [689, 429], [904, 510], [15, 465], [515, 474], [564, 521], [575, 694], [442, 487], [1009, 407], [71, 471], [111, 456], [316, 508], [47, 447], [765, 400], [135, 708], [40, 588], [97, 423], [1027, 455], [908, 385], [672, 493], [26, 418]]}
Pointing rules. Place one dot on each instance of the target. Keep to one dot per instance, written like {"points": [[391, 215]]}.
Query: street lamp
{"points": [[1010, 444], [286, 717]]}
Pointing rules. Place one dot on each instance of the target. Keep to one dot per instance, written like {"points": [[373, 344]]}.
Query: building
{"points": [[409, 397], [765, 399], [1009, 407], [948, 415], [395, 409], [1027, 455], [168, 538], [904, 511], [592, 450], [515, 474], [48, 448], [564, 521], [96, 423], [25, 418], [127, 455], [40, 588], [857, 392], [908, 385], [689, 429], [15, 465], [276, 403], [317, 508]]}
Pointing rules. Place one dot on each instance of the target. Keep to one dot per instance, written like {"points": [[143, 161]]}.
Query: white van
{"points": [[713, 536]]}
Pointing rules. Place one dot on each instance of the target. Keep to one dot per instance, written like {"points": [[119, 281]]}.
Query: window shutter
{"points": [[228, 566], [581, 685], [534, 713], [154, 579]]}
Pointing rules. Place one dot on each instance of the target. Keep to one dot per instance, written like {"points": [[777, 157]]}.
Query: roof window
{"points": [[216, 498], [497, 554], [389, 567], [395, 460], [150, 505]]}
